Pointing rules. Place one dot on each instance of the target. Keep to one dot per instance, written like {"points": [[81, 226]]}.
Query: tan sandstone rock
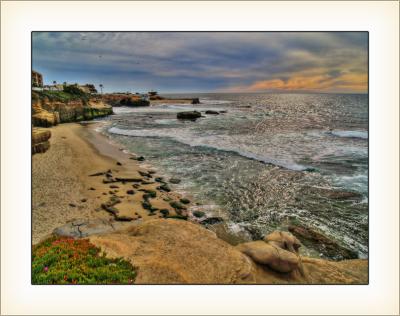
{"points": [[40, 140], [276, 258], [169, 251], [283, 240]]}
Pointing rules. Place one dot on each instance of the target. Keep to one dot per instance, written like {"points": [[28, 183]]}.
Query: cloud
{"points": [[326, 82], [201, 61]]}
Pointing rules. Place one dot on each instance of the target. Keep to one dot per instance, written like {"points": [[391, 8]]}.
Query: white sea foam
{"points": [[215, 102], [351, 134], [212, 141]]}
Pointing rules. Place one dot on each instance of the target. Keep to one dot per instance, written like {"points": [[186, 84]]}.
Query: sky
{"points": [[183, 62]]}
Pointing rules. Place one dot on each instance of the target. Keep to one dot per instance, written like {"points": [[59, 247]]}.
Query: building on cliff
{"points": [[37, 79]]}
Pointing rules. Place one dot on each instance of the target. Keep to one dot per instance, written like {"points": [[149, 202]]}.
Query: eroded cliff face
{"points": [[46, 113]]}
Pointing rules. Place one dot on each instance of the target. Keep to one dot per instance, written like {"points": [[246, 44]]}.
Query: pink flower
{"points": [[46, 269]]}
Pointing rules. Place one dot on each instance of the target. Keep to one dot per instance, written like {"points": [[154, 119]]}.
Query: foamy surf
{"points": [[351, 134]]}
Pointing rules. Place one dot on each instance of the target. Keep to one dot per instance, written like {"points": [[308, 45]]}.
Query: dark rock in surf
{"points": [[198, 213], [184, 201], [174, 180], [212, 112], [189, 115], [164, 187], [212, 220]]}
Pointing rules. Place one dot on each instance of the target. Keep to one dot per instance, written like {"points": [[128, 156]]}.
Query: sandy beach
{"points": [[63, 188]]}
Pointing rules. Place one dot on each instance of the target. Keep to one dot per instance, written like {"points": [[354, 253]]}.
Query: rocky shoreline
{"points": [[129, 211]]}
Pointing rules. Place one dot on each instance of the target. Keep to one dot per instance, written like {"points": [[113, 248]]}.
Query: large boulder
{"points": [[274, 257], [283, 240], [189, 115]]}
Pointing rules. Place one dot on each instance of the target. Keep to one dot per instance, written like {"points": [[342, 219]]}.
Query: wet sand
{"points": [[63, 188]]}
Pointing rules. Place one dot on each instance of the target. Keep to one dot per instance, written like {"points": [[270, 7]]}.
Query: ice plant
{"points": [[70, 261]]}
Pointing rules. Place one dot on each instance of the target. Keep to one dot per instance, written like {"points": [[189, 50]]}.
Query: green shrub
{"points": [[68, 261], [74, 90], [69, 93]]}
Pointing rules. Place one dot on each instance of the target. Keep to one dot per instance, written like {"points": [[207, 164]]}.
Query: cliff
{"points": [[53, 107]]}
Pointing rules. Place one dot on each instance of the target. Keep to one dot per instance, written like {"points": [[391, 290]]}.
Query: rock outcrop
{"points": [[133, 101], [279, 251], [168, 251], [80, 228], [275, 258], [326, 246], [40, 140], [124, 99]]}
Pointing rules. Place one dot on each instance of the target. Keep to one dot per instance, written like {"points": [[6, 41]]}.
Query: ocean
{"points": [[269, 160]]}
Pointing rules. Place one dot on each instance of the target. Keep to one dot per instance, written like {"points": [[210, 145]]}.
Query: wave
{"points": [[195, 141], [357, 182], [351, 134], [215, 102], [193, 108]]}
